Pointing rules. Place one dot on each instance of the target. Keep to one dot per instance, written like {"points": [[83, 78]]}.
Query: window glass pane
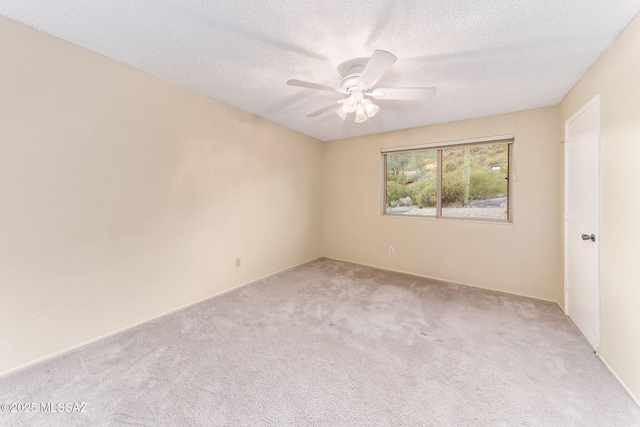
{"points": [[411, 182], [474, 181]]}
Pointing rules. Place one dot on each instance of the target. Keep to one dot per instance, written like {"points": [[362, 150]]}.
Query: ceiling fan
{"points": [[359, 77]]}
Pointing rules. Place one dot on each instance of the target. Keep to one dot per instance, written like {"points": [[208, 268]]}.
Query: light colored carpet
{"points": [[335, 344]]}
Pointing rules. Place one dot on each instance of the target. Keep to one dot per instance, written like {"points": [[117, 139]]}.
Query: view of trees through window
{"points": [[473, 181]]}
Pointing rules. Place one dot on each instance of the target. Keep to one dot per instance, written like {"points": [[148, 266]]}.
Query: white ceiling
{"points": [[484, 56]]}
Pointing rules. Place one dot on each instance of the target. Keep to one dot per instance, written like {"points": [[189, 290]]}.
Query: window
{"points": [[467, 179]]}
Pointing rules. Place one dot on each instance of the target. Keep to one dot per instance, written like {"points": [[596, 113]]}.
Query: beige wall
{"points": [[520, 258], [123, 196], [615, 76]]}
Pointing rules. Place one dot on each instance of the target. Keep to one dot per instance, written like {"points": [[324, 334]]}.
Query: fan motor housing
{"points": [[349, 83]]}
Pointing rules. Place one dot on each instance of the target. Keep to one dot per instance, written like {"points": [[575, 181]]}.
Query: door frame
{"points": [[567, 309]]}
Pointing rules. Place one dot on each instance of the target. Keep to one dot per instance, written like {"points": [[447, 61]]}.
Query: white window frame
{"points": [[498, 139]]}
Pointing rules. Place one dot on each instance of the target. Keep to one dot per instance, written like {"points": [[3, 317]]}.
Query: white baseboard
{"points": [[443, 280], [624, 386], [117, 331]]}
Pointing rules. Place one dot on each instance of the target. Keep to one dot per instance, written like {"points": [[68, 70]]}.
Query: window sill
{"points": [[449, 218]]}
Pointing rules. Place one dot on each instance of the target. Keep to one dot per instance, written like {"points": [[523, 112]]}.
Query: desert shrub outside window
{"points": [[464, 179]]}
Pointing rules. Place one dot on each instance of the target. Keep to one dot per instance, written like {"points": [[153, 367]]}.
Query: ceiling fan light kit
{"points": [[363, 108], [359, 84]]}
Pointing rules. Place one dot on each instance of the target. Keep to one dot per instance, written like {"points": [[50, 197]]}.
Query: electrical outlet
{"points": [[237, 262], [391, 250]]}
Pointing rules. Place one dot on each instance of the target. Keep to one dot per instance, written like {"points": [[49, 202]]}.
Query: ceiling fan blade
{"points": [[404, 93], [300, 83], [378, 65], [327, 108]]}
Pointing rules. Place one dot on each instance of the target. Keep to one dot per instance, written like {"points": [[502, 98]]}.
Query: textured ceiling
{"points": [[484, 56]]}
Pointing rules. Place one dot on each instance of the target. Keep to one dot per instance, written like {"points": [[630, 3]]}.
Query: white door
{"points": [[582, 138]]}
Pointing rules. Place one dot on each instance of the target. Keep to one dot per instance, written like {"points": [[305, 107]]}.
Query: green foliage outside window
{"points": [[469, 174]]}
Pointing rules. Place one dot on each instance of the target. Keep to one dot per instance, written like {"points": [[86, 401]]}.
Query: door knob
{"points": [[591, 237]]}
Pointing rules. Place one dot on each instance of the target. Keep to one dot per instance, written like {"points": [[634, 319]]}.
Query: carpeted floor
{"points": [[334, 344]]}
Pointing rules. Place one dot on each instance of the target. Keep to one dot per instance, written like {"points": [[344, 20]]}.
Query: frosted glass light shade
{"points": [[370, 108], [343, 114], [361, 115], [349, 106]]}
